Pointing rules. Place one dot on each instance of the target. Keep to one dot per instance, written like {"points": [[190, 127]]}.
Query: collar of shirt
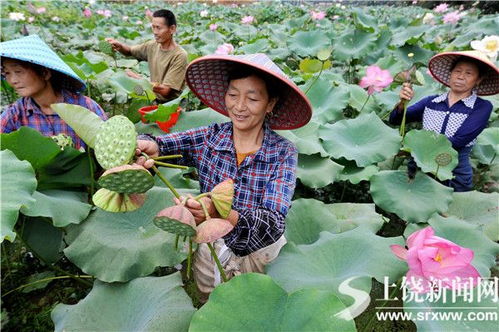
{"points": [[223, 142], [468, 101], [32, 107]]}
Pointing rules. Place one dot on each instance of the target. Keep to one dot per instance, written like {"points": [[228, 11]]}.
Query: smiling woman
{"points": [[257, 97], [41, 78]]}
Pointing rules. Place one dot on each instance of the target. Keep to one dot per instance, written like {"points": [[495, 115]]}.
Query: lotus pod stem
{"points": [[189, 259], [165, 181], [402, 125], [159, 163], [172, 156]]}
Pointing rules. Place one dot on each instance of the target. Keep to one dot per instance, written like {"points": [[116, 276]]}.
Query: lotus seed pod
{"points": [[63, 140], [128, 179], [177, 220], [112, 201], [138, 89], [222, 196], [105, 47], [212, 230], [443, 159], [116, 142]]}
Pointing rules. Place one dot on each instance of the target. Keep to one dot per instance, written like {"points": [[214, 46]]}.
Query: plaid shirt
{"points": [[26, 112], [264, 182]]}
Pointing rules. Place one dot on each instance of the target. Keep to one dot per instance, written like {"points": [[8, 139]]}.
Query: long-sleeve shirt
{"points": [[461, 124], [263, 183], [26, 112]]}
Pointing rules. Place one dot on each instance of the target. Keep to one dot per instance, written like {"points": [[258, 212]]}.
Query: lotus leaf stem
{"points": [[317, 77], [43, 280], [217, 261], [91, 165], [367, 99], [176, 241], [492, 160], [189, 259], [173, 156]]}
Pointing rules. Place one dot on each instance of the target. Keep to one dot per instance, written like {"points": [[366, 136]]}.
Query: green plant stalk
{"points": [[92, 180], [159, 163], [165, 181], [492, 160], [42, 280], [189, 259], [176, 241], [367, 99], [402, 125], [317, 77], [198, 197], [210, 246], [172, 156], [436, 173]]}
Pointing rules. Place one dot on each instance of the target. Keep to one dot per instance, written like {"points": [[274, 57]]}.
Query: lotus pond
{"points": [[69, 265]]}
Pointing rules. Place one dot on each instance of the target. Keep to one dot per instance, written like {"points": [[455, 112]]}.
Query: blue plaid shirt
{"points": [[264, 182], [26, 112]]}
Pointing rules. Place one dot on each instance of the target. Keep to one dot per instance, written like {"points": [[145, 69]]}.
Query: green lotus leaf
{"points": [[127, 63], [428, 148], [355, 174], [245, 32], [83, 121], [123, 246], [363, 20], [199, 118], [479, 209], [126, 84], [308, 43], [421, 55], [324, 54], [408, 34], [490, 136], [28, 144], [254, 301], [365, 139], [334, 258], [358, 100], [306, 139], [35, 280], [316, 172], [18, 185], [64, 207], [304, 227], [412, 200], [43, 238], [212, 37], [485, 154], [164, 111], [327, 100], [353, 44], [314, 65], [258, 46], [143, 304]]}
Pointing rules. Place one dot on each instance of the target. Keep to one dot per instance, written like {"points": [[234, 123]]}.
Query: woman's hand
{"points": [[406, 93], [150, 148], [197, 210]]}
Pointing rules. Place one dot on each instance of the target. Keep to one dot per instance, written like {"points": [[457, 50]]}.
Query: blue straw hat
{"points": [[35, 50]]}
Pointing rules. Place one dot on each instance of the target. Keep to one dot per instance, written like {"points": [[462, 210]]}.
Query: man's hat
{"points": [[440, 67], [33, 49], [208, 78]]}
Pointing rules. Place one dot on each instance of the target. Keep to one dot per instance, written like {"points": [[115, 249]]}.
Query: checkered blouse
{"points": [[264, 182]]}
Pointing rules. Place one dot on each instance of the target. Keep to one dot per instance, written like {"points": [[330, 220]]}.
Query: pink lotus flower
{"points": [[31, 19], [41, 10], [452, 17], [87, 12], [148, 12], [335, 17], [138, 22], [247, 20], [435, 261], [213, 27], [317, 15], [224, 49], [376, 79], [442, 8]]}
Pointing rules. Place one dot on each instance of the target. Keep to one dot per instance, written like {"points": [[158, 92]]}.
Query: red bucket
{"points": [[163, 125]]}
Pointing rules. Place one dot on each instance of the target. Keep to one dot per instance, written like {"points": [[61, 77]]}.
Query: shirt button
{"points": [[447, 112]]}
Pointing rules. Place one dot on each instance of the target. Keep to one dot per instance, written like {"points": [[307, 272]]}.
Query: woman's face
{"points": [[24, 80], [248, 102], [464, 77]]}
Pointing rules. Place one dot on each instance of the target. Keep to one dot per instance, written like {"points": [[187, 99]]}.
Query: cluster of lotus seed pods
{"points": [[123, 185], [180, 221]]}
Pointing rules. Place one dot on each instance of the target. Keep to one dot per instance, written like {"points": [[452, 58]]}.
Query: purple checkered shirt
{"points": [[26, 112], [264, 182]]}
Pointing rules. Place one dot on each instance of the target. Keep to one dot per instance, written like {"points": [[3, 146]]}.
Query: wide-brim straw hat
{"points": [[35, 50], [207, 77], [440, 67]]}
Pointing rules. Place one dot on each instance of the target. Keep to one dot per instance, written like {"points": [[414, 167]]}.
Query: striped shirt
{"points": [[26, 112], [264, 182]]}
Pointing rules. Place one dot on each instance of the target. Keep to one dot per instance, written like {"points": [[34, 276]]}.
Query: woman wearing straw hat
{"points": [[41, 78], [459, 113], [257, 97]]}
